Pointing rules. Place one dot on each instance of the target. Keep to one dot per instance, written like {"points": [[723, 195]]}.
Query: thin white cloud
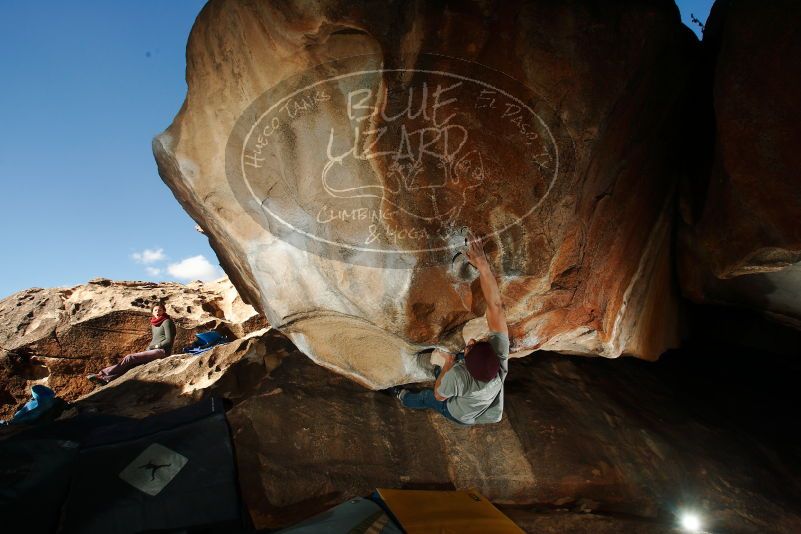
{"points": [[153, 271], [149, 256], [194, 268]]}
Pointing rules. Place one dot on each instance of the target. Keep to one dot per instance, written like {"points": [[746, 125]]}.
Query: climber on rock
{"points": [[469, 389], [163, 329]]}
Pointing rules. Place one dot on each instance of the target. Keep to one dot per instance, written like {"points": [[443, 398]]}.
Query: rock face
{"points": [[741, 237], [611, 441], [234, 371], [56, 336], [576, 435], [335, 153]]}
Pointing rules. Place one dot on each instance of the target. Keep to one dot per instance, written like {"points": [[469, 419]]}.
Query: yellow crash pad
{"points": [[446, 512]]}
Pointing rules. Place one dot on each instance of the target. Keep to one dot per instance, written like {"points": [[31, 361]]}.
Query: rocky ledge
{"points": [[56, 336]]}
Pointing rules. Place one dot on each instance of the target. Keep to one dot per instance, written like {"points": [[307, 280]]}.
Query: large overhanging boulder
{"points": [[741, 236], [336, 154]]}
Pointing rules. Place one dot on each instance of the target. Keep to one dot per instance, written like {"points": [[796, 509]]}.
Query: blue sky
{"points": [[85, 86], [698, 7]]}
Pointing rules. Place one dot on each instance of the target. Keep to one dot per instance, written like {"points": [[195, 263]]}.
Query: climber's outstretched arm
{"points": [[496, 319]]}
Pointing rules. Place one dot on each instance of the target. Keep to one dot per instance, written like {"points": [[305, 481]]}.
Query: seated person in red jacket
{"points": [[160, 346]]}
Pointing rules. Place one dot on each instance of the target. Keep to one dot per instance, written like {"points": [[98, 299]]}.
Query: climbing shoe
{"points": [[95, 379]]}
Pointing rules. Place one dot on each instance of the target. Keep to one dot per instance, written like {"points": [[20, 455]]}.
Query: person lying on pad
{"points": [[469, 391], [163, 329]]}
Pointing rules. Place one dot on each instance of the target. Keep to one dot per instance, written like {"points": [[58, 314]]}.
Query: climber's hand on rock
{"points": [[440, 357], [475, 251]]}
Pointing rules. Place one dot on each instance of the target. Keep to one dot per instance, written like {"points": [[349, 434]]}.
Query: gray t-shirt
{"points": [[472, 401]]}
